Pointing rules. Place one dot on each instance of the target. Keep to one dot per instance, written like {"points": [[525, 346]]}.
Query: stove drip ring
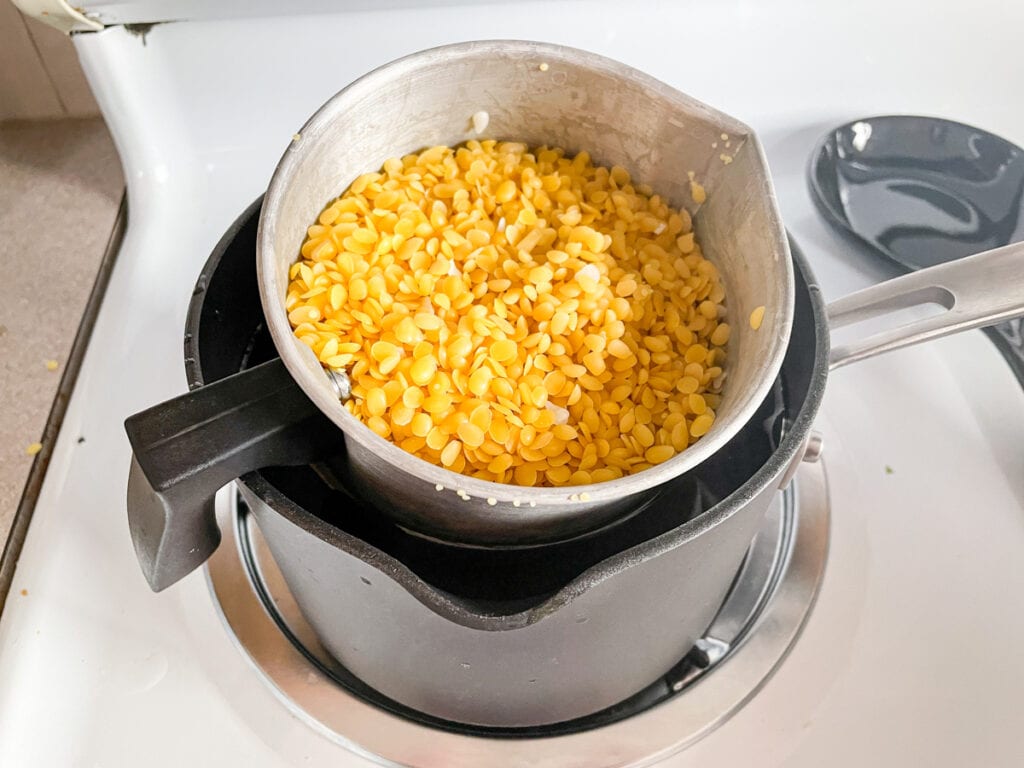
{"points": [[755, 628]]}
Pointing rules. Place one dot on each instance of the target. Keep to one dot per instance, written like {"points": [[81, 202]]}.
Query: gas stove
{"points": [[915, 517]]}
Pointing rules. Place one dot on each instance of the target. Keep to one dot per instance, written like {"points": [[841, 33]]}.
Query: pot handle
{"points": [[186, 449], [976, 291]]}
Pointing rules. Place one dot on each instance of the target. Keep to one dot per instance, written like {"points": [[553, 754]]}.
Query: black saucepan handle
{"points": [[187, 448]]}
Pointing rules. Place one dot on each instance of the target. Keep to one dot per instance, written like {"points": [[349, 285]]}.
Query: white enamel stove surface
{"points": [[912, 655]]}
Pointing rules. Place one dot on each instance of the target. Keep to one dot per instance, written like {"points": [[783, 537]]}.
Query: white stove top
{"points": [[926, 562]]}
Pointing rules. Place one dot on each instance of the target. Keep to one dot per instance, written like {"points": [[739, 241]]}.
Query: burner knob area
{"points": [[810, 452]]}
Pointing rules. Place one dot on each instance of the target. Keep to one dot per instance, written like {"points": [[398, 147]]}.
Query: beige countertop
{"points": [[60, 185]]}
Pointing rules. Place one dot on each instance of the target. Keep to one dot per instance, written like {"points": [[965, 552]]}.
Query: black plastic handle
{"points": [[187, 448]]}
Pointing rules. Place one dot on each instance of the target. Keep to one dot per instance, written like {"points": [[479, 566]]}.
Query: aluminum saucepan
{"points": [[281, 412]]}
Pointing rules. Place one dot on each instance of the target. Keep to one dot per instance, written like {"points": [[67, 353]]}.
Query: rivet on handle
{"points": [[810, 452]]}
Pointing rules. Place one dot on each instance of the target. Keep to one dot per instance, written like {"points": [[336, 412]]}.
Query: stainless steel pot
{"points": [[560, 631], [187, 448]]}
